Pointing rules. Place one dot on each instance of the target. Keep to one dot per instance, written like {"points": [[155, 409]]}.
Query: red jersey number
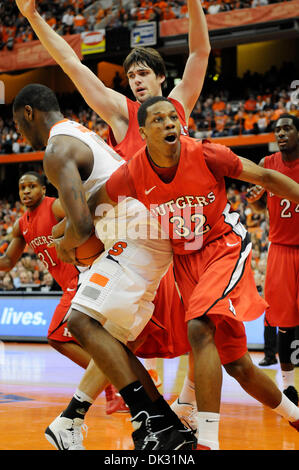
{"points": [[47, 256], [286, 213]]}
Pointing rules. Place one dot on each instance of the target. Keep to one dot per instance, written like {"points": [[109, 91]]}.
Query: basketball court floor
{"points": [[36, 383]]}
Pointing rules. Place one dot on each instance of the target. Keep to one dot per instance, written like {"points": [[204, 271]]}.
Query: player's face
{"points": [[30, 191], [286, 135], [27, 127], [143, 82], [162, 126]]}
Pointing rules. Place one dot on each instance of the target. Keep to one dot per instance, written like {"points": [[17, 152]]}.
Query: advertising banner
{"points": [[144, 34], [93, 42], [29, 55], [236, 17], [26, 318]]}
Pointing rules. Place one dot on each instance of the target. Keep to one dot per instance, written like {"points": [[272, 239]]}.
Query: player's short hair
{"points": [[40, 177], [147, 56], [38, 97], [142, 111], [289, 116]]}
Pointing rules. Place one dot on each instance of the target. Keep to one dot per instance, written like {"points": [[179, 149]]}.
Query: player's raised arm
{"points": [[273, 181], [106, 102], [188, 90], [14, 250]]}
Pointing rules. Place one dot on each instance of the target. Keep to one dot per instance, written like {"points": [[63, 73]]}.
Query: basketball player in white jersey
{"points": [[115, 303]]}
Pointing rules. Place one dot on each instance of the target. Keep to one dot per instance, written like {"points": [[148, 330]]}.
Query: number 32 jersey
{"points": [[283, 214], [36, 227], [193, 209]]}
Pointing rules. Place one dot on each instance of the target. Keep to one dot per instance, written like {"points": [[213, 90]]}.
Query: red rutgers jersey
{"points": [[192, 208], [133, 141], [36, 227], [283, 214]]}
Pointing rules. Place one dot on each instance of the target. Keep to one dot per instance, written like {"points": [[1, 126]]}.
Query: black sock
{"points": [[136, 398], [170, 415], [76, 409]]}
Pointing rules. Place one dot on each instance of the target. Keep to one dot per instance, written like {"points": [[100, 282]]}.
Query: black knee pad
{"points": [[286, 336]]}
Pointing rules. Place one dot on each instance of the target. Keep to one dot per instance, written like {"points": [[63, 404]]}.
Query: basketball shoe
{"points": [[152, 433], [66, 434], [292, 394], [114, 401], [187, 414]]}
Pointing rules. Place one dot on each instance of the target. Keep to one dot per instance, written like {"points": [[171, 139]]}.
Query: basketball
{"points": [[89, 251]]}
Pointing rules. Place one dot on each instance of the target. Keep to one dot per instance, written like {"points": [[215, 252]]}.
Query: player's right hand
{"points": [[255, 193], [26, 7]]}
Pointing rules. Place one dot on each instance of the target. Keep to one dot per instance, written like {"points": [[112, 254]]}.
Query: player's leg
{"points": [[102, 308], [257, 384], [59, 336], [207, 379], [286, 338], [282, 270], [71, 350], [185, 405]]}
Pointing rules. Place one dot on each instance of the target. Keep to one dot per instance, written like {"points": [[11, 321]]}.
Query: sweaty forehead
{"points": [[138, 66], [161, 107], [284, 122], [28, 179]]}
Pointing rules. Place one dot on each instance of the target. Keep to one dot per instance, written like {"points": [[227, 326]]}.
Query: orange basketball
{"points": [[89, 251]]}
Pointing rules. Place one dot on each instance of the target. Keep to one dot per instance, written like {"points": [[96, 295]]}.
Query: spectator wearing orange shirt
{"points": [[218, 105], [168, 14], [184, 11], [250, 124], [79, 23], [221, 120], [250, 104]]}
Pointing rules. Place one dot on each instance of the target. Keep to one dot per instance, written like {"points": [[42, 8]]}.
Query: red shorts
{"points": [[166, 333], [58, 327], [219, 280], [282, 286], [230, 338]]}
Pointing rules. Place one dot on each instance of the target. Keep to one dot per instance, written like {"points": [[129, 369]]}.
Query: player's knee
{"points": [[242, 370], [76, 324], [54, 344], [200, 332]]}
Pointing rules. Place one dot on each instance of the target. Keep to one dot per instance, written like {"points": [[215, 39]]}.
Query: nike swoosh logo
{"points": [[147, 191], [232, 244], [24, 233], [70, 290], [136, 389]]}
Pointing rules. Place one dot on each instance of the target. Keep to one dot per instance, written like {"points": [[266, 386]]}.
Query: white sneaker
{"points": [[187, 414], [66, 434]]}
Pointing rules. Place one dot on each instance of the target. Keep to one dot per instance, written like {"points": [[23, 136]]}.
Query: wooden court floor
{"points": [[36, 383]]}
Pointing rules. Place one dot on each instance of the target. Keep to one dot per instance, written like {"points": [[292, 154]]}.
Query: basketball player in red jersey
{"points": [[35, 229], [281, 286], [146, 73], [212, 250]]}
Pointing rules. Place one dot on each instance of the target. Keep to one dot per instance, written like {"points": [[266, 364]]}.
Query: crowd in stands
{"points": [[251, 107], [77, 16]]}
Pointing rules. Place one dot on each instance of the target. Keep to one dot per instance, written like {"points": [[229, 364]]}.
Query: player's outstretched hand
{"points": [[26, 7], [255, 193]]}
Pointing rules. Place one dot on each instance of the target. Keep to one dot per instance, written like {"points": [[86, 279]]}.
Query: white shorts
{"points": [[121, 284]]}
